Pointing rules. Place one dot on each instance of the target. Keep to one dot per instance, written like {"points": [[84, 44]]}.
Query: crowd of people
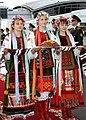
{"points": [[43, 71], [3, 35]]}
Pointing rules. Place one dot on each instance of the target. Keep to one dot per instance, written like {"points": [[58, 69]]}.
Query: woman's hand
{"points": [[35, 50], [58, 50]]}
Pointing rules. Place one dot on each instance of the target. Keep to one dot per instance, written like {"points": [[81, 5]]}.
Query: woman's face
{"points": [[18, 25], [43, 20], [62, 26]]}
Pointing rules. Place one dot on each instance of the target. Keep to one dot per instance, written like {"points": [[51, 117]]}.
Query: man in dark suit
{"points": [[77, 31], [78, 35]]}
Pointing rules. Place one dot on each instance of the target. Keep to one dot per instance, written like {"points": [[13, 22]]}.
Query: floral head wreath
{"points": [[42, 13], [17, 17], [64, 19]]}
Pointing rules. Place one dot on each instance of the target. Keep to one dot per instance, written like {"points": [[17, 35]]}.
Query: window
{"points": [[3, 13]]}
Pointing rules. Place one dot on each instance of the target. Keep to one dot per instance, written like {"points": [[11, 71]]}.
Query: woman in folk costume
{"points": [[2, 79], [42, 67], [16, 93], [69, 82]]}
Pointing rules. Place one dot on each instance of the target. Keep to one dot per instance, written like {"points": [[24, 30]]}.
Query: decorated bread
{"points": [[51, 43]]}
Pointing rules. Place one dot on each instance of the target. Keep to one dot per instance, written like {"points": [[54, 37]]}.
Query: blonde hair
{"points": [[42, 13]]}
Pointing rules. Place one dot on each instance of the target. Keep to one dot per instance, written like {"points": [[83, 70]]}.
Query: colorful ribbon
{"points": [[27, 70], [54, 68], [16, 68]]}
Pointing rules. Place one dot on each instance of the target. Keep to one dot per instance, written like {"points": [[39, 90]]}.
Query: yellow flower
{"points": [[6, 92]]}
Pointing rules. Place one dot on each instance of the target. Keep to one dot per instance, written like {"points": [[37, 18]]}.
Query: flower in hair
{"points": [[17, 17], [42, 13]]}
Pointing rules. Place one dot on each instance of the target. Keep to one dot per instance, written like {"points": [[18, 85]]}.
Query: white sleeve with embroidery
{"points": [[31, 45], [55, 56], [6, 44], [76, 51]]}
